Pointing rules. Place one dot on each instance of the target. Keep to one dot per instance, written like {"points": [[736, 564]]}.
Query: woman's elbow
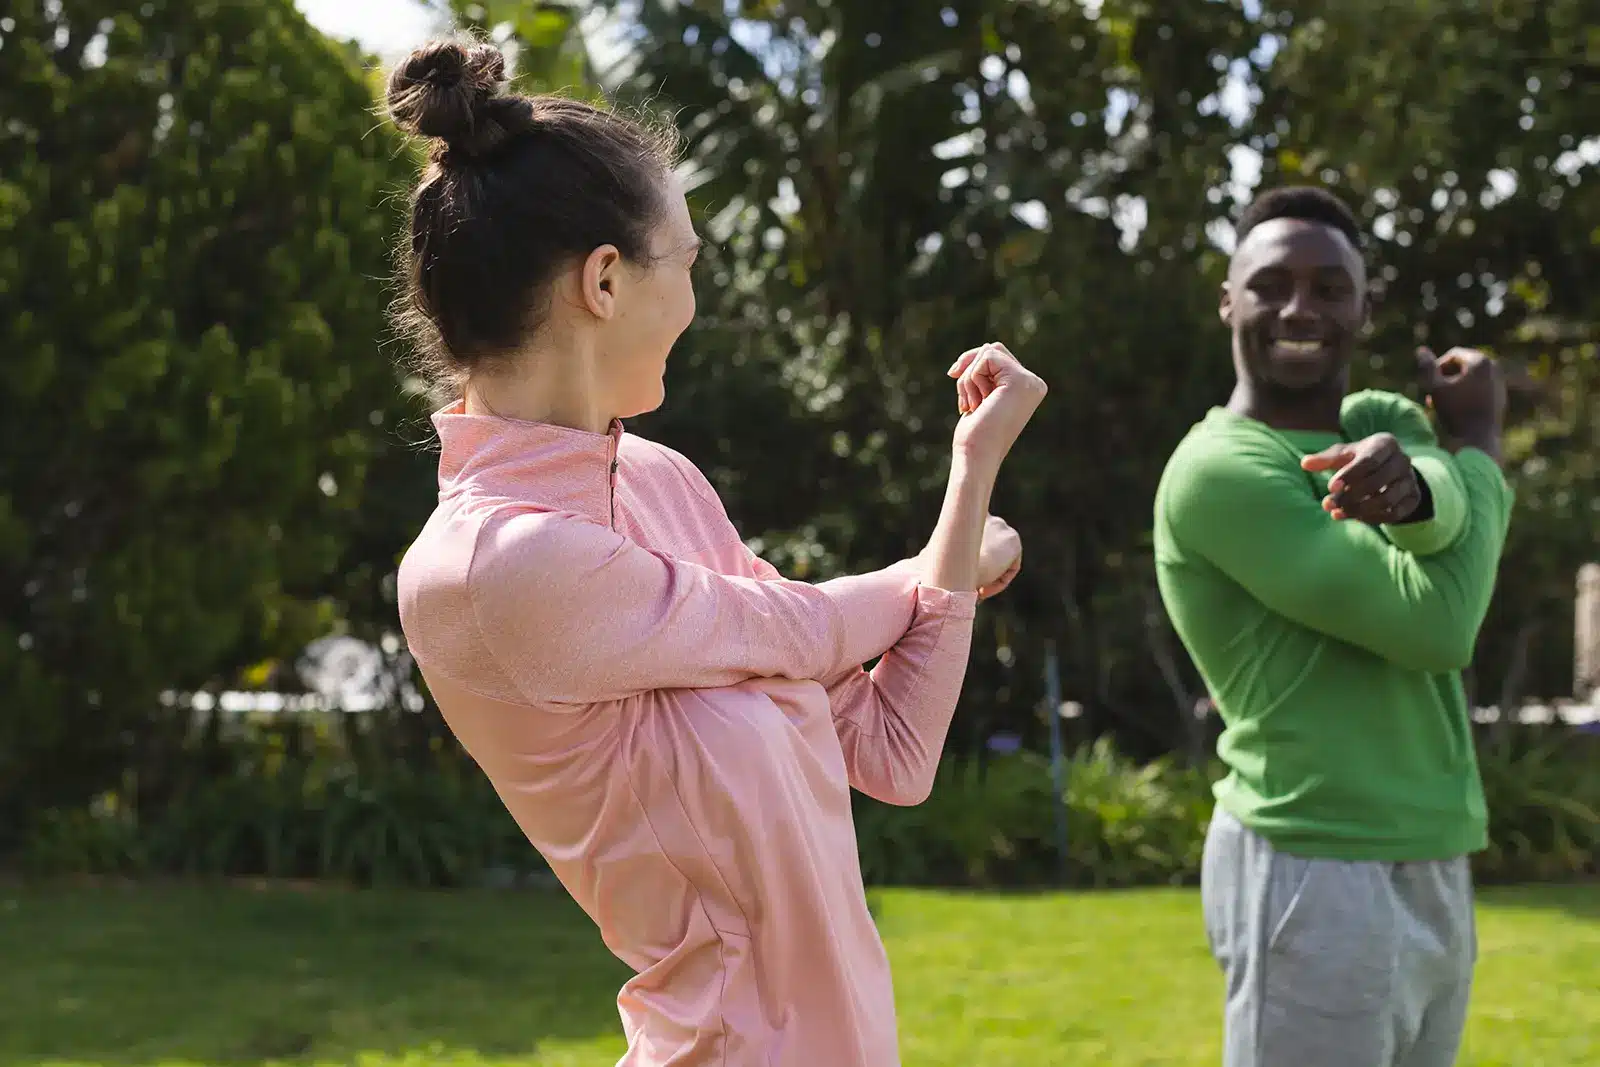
{"points": [[907, 793], [902, 784]]}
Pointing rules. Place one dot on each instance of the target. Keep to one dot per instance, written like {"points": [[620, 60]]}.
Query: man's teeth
{"points": [[1300, 348]]}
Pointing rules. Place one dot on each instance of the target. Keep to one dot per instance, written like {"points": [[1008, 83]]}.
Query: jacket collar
{"points": [[553, 467]]}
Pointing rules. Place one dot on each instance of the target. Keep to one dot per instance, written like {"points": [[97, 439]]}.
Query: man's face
{"points": [[1296, 299]]}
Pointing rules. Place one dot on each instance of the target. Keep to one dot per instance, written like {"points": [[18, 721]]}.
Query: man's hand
{"points": [[999, 558], [1467, 392], [1375, 482]]}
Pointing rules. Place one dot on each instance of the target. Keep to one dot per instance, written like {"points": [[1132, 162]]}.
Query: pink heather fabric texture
{"points": [[676, 728]]}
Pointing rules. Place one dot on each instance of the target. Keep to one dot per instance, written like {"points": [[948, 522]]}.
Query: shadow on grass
{"points": [[137, 976]]}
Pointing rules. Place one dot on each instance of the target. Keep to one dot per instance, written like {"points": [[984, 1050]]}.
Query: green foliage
{"points": [[1125, 825], [885, 188], [300, 803], [315, 812], [1544, 806], [882, 193], [192, 225], [539, 37], [206, 461]]}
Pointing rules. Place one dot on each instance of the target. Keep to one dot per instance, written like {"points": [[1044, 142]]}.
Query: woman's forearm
{"points": [[950, 560]]}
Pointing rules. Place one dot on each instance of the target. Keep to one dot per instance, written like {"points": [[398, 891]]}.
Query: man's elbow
{"points": [[1441, 650], [1459, 651]]}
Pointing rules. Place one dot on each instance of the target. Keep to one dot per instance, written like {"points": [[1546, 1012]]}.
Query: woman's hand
{"points": [[999, 557], [997, 396]]}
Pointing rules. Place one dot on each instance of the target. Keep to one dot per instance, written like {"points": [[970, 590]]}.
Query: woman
{"points": [[673, 725]]}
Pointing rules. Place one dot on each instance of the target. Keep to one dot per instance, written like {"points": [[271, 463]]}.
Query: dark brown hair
{"points": [[514, 188]]}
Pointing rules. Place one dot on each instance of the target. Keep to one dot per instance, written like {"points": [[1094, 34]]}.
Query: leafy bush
{"points": [[997, 825], [325, 814], [1543, 789], [97, 840], [1128, 824], [322, 814]]}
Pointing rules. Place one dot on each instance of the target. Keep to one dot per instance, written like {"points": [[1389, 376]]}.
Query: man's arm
{"points": [[1243, 506], [1446, 518], [1442, 516]]}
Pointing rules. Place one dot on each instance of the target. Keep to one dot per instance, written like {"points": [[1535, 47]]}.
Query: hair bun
{"points": [[441, 90]]}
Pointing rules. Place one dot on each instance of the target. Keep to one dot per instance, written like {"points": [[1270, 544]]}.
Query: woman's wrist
{"points": [[968, 472], [950, 560]]}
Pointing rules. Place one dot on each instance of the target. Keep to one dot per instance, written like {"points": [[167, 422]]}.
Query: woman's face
{"points": [[654, 304]]}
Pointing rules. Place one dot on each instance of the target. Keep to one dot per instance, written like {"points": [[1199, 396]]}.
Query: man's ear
{"points": [[1225, 305]]}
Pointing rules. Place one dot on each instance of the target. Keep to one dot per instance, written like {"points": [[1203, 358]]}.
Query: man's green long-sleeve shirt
{"points": [[1333, 649]]}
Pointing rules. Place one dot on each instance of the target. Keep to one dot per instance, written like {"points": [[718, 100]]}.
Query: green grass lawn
{"points": [[168, 976]]}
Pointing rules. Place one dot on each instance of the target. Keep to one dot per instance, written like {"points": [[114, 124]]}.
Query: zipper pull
{"points": [[611, 494]]}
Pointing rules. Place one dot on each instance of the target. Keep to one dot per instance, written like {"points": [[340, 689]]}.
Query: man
{"points": [[1327, 564]]}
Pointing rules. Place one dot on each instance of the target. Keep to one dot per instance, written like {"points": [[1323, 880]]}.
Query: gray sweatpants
{"points": [[1334, 964]]}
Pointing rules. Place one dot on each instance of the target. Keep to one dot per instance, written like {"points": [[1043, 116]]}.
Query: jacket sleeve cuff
{"points": [[1437, 468]]}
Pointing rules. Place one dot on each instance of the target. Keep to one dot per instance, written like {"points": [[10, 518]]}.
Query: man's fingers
{"points": [[1361, 469], [1435, 372], [1357, 485], [1373, 457], [1372, 477], [1329, 458], [1407, 501], [1393, 504], [1427, 367], [1380, 499], [1451, 367], [1459, 365]]}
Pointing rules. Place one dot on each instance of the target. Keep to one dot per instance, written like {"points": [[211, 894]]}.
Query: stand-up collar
{"points": [[550, 466]]}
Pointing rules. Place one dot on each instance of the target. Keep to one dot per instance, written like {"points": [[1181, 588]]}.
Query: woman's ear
{"points": [[599, 279]]}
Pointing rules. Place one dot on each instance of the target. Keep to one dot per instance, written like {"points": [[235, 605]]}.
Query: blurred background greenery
{"points": [[211, 461]]}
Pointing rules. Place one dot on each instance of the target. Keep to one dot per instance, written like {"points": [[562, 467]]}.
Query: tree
{"points": [[194, 221], [891, 187], [885, 185]]}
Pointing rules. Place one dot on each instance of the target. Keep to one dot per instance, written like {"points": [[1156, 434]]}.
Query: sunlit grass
{"points": [[154, 976]]}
